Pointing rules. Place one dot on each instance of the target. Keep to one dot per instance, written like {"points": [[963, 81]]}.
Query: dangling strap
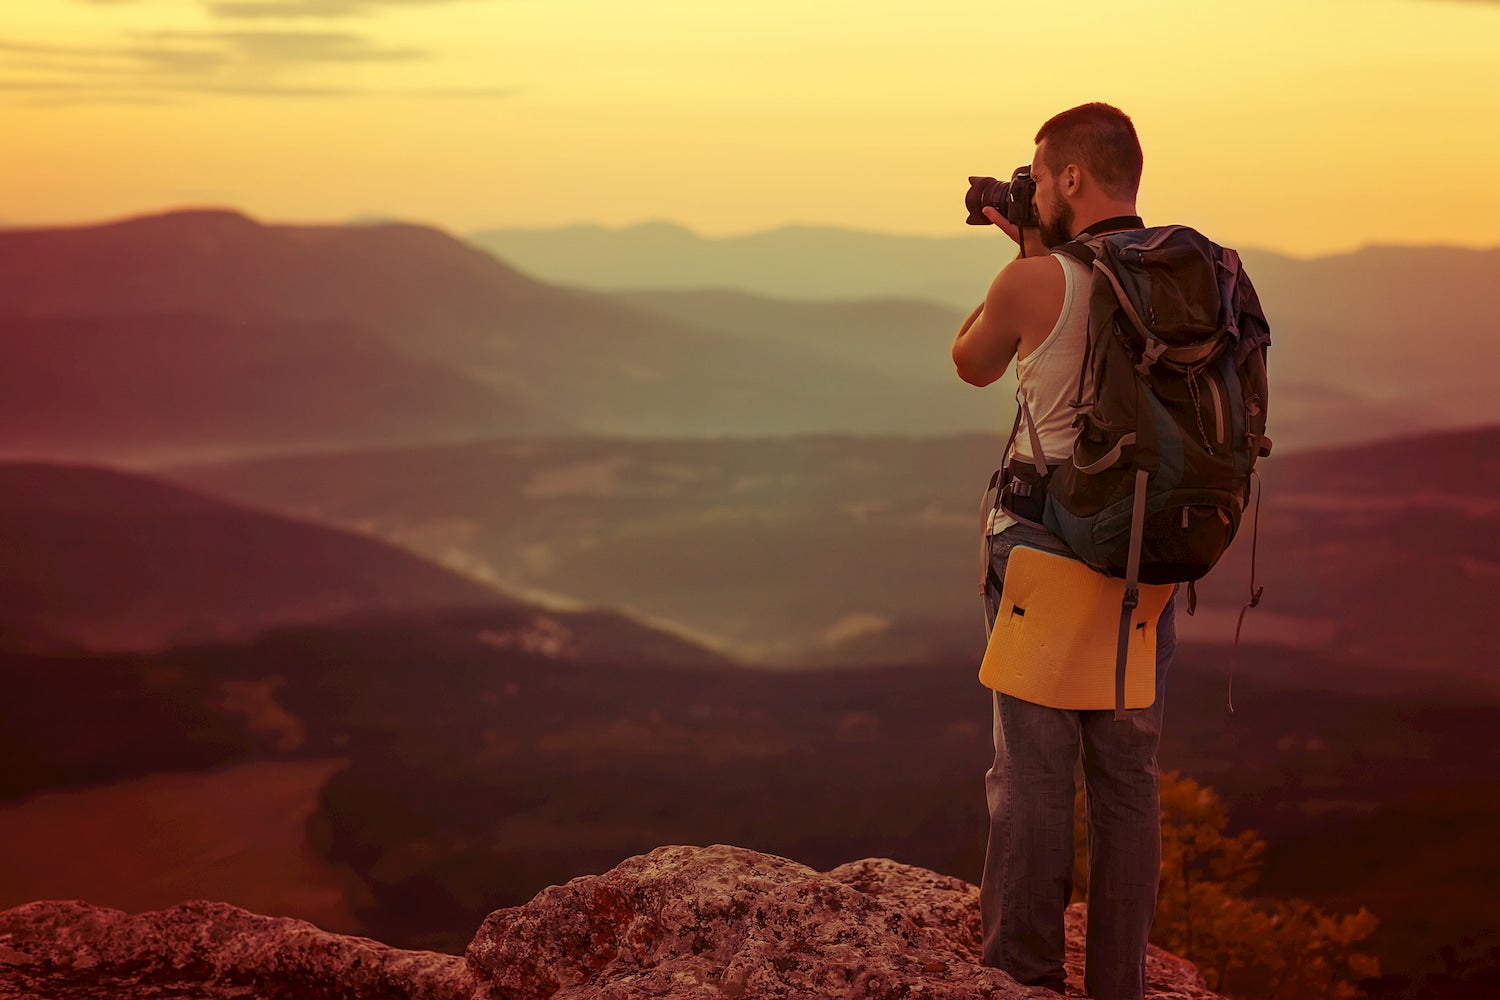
{"points": [[994, 492], [1192, 597], [1255, 591], [1037, 458], [986, 507], [1132, 596]]}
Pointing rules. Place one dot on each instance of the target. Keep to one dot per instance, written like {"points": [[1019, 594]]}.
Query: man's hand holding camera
{"points": [[1028, 238], [1025, 298], [1009, 205]]}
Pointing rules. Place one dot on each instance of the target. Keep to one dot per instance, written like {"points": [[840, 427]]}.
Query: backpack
{"points": [[1170, 411]]}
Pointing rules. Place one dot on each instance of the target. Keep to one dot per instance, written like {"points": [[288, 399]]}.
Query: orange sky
{"points": [[1307, 127]]}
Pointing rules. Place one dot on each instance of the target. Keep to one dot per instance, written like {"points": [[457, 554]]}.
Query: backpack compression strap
{"points": [[1132, 592]]}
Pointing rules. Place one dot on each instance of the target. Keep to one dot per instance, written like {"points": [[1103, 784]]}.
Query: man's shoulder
{"points": [[1032, 273], [1030, 284]]}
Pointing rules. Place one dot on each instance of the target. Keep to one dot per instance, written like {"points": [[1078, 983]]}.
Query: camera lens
{"points": [[985, 191]]}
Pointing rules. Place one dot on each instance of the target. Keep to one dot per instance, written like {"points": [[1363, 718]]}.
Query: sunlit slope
{"points": [[98, 559]]}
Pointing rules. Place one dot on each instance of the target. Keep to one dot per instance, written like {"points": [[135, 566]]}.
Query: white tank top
{"points": [[1047, 379]]}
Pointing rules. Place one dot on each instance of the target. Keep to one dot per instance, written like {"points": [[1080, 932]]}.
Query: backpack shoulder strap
{"points": [[1079, 250], [1085, 247]]}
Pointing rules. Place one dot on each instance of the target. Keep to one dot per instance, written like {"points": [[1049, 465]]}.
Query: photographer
{"points": [[1086, 171]]}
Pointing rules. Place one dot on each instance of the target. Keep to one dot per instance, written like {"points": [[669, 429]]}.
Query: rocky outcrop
{"points": [[206, 951], [722, 921], [681, 922]]}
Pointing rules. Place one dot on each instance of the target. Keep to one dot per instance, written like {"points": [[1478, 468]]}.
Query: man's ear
{"points": [[1071, 179]]}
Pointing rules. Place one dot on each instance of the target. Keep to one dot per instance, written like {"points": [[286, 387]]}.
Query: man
{"points": [[1087, 169]]}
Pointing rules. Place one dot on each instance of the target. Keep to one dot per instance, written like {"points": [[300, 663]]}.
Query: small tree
{"points": [[1245, 947]]}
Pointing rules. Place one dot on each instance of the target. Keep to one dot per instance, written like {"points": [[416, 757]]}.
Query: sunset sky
{"points": [[1306, 126]]}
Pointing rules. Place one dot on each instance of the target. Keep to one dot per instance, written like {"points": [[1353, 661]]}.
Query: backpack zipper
{"points": [[1213, 387]]}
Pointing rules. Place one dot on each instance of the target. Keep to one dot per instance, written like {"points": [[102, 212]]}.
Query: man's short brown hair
{"points": [[1101, 139]]}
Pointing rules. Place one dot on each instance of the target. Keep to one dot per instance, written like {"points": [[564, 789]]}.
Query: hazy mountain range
{"points": [[1377, 331], [407, 327], [793, 262], [207, 334]]}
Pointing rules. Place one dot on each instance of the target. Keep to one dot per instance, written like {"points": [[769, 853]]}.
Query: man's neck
{"points": [[1111, 219]]}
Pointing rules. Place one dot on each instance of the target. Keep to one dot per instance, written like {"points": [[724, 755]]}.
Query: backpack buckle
{"points": [[1153, 351]]}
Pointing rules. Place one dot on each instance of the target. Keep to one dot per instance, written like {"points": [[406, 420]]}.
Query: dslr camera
{"points": [[1012, 199]]}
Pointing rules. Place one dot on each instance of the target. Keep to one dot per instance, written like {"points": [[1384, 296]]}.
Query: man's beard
{"points": [[1060, 229]]}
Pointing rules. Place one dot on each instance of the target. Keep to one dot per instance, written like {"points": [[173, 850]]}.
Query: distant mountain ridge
{"points": [[554, 359], [105, 387], [204, 333], [792, 262], [1404, 336]]}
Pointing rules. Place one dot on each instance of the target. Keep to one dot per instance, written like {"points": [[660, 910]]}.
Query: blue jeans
{"points": [[1028, 862]]}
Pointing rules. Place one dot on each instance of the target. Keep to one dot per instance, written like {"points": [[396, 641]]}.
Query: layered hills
{"points": [[227, 327], [838, 550], [144, 387], [794, 262], [202, 333], [1366, 344]]}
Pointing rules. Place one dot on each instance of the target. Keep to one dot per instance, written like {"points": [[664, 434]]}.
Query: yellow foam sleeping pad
{"points": [[1056, 637]]}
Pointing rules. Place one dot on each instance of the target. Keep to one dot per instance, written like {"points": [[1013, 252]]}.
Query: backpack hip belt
{"points": [[1023, 492]]}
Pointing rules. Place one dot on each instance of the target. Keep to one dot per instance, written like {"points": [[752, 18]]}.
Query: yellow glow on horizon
{"points": [[1304, 127]]}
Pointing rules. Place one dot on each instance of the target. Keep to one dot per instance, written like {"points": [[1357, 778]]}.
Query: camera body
{"points": [[1014, 199]]}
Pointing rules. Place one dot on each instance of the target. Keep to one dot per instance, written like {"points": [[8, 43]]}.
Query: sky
{"points": [[1307, 127]]}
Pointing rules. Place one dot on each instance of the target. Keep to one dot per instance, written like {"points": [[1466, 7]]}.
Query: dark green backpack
{"points": [[1171, 411]]}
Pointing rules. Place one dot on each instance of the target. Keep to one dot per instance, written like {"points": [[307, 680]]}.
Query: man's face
{"points": [[1054, 210]]}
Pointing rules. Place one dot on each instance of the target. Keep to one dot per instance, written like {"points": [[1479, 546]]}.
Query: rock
{"points": [[206, 951], [724, 922], [718, 923]]}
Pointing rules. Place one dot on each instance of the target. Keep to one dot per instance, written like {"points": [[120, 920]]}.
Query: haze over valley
{"points": [[417, 548]]}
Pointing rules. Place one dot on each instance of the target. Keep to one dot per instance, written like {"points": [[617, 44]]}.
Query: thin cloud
{"points": [[163, 63], [169, 65], [288, 9], [205, 53], [62, 93], [54, 93], [282, 10], [72, 50], [280, 48]]}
